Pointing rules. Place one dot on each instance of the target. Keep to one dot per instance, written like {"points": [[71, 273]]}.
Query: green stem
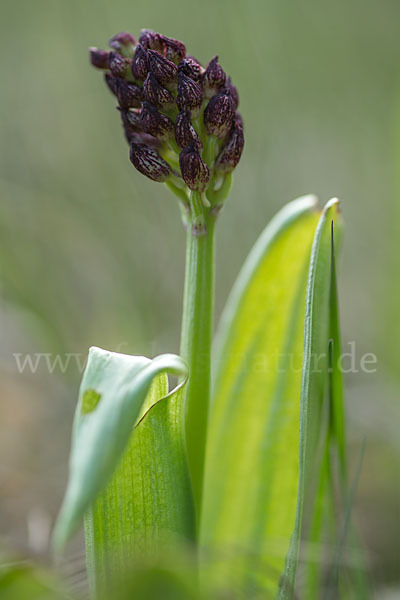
{"points": [[198, 213], [210, 151], [196, 340]]}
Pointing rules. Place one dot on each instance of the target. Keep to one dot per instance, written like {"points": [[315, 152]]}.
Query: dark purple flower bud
{"points": [[131, 119], [129, 95], [131, 123], [237, 120], [190, 67], [155, 123], [151, 40], [140, 137], [145, 138], [194, 170], [190, 95], [123, 42], [118, 64], [234, 92], [140, 64], [112, 83], [163, 69], [133, 131], [173, 49], [149, 162], [232, 151], [156, 94], [185, 133], [219, 113], [99, 58], [213, 78]]}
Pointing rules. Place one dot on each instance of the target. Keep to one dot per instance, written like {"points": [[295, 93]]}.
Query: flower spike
{"points": [[178, 118]]}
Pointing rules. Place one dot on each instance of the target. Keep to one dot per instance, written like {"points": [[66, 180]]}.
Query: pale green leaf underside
{"points": [[116, 392], [252, 463]]}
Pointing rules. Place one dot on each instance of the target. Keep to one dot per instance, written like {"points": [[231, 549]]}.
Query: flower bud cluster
{"points": [[173, 110]]}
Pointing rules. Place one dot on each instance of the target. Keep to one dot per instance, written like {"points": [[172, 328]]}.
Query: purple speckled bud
{"points": [[232, 151], [140, 64], [140, 137], [163, 69], [112, 83], [129, 95], [190, 67], [123, 42], [149, 162], [213, 78], [219, 113], [194, 170], [173, 49], [190, 94], [130, 123], [118, 64], [151, 40], [185, 133], [99, 58], [131, 118], [156, 94], [234, 92], [155, 123]]}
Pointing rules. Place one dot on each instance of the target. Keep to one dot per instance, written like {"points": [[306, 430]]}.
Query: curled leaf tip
{"points": [[114, 394]]}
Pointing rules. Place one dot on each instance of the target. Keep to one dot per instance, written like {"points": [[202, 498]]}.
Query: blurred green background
{"points": [[93, 253]]}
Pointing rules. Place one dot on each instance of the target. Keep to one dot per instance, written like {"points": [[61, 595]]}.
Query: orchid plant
{"points": [[242, 463]]}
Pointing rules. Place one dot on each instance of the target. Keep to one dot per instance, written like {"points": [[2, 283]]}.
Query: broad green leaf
{"points": [[252, 463], [127, 428]]}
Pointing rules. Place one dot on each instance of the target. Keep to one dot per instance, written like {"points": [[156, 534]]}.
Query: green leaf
{"points": [[147, 509], [321, 413], [337, 416], [149, 495], [251, 476]]}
